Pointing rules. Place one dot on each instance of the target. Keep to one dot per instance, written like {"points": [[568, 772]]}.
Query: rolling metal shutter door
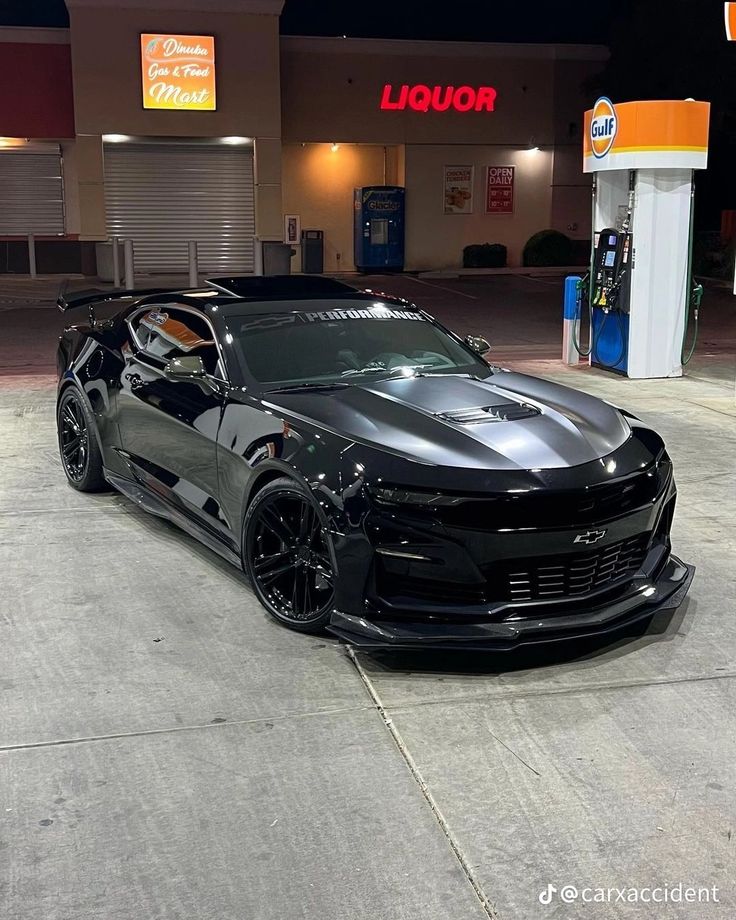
{"points": [[161, 196], [31, 193]]}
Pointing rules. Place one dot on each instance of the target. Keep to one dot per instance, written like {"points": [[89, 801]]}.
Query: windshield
{"points": [[346, 345]]}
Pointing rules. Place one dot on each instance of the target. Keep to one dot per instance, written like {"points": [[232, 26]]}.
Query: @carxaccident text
{"points": [[655, 894]]}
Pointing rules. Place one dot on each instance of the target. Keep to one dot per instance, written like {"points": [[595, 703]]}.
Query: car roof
{"points": [[274, 293], [277, 293]]}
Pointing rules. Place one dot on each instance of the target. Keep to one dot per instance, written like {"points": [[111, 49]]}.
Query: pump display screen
{"points": [[612, 240], [610, 258]]}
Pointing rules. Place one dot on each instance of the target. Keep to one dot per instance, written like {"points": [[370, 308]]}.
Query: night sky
{"points": [[483, 20], [487, 20]]}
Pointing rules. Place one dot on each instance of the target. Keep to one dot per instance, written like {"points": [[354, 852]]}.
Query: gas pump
{"points": [[605, 287], [610, 292], [639, 291], [609, 267], [609, 298]]}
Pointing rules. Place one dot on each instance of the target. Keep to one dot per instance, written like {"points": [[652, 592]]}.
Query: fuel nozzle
{"points": [[582, 286], [696, 295]]}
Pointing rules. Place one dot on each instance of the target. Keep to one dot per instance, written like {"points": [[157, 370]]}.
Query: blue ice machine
{"points": [[379, 228]]}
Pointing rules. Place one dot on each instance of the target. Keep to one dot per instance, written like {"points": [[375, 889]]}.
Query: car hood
{"points": [[408, 417]]}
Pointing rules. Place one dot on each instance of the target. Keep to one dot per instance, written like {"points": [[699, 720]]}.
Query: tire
{"points": [[287, 555], [79, 448]]}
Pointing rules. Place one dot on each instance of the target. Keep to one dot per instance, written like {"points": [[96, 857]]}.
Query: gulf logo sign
{"points": [[603, 127]]}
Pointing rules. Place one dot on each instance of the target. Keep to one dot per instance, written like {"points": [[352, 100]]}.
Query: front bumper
{"points": [[646, 597]]}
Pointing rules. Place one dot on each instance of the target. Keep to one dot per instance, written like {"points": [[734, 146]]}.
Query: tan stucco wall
{"points": [[331, 90], [325, 90], [435, 239], [570, 186], [318, 186], [107, 84], [107, 94], [72, 220], [89, 167]]}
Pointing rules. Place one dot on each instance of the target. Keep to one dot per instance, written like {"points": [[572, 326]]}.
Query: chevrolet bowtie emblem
{"points": [[590, 536]]}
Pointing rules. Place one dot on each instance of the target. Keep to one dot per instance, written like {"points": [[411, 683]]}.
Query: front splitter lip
{"points": [[667, 592]]}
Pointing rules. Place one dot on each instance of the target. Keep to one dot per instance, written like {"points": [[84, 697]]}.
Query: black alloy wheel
{"points": [[74, 440], [78, 447], [287, 556]]}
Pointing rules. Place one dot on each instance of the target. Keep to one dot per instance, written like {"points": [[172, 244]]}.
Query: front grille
{"points": [[541, 578], [567, 576]]}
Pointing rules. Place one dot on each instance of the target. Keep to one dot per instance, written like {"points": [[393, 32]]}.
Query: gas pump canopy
{"points": [[654, 134]]}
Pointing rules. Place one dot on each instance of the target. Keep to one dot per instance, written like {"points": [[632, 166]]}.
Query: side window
{"points": [[168, 332]]}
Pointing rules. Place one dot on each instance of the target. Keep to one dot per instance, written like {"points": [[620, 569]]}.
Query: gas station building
{"points": [[101, 137]]}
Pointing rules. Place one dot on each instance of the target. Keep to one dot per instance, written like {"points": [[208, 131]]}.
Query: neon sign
{"points": [[423, 98]]}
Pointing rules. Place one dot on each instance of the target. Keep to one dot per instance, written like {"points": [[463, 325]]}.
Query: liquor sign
{"points": [[500, 190], [423, 98], [458, 189], [178, 72]]}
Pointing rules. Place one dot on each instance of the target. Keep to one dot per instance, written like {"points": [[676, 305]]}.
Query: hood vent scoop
{"points": [[503, 412]]}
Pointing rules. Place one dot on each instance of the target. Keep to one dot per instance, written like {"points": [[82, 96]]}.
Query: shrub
{"points": [[484, 255], [548, 247]]}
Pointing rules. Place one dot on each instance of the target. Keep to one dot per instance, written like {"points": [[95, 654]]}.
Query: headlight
{"points": [[395, 495]]}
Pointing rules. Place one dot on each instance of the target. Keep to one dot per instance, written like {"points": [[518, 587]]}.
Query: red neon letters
{"points": [[422, 98]]}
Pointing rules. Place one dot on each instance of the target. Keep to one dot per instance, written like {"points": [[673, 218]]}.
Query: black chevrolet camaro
{"points": [[367, 468]]}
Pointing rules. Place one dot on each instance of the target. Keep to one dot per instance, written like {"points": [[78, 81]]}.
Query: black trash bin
{"points": [[313, 251]]}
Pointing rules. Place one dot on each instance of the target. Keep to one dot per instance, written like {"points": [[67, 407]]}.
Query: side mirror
{"points": [[477, 344], [188, 367]]}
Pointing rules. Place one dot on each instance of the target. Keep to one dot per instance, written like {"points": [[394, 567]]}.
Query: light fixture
{"points": [[115, 138], [334, 147], [235, 139]]}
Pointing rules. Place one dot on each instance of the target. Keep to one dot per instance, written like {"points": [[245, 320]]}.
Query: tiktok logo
{"points": [[545, 895]]}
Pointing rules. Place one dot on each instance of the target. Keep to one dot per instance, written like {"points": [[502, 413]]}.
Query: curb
{"points": [[457, 273]]}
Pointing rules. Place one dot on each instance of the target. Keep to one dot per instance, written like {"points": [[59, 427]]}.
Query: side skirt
{"points": [[154, 504]]}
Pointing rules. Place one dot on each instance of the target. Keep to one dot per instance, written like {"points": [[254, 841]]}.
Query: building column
{"points": [[90, 175], [267, 177]]}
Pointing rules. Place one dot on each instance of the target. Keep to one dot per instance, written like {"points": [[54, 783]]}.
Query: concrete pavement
{"points": [[596, 766], [168, 752]]}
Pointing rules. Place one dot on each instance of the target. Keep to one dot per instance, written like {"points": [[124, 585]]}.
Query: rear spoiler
{"points": [[92, 296]]}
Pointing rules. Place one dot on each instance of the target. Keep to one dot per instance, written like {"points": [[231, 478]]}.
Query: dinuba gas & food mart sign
{"points": [[178, 72]]}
